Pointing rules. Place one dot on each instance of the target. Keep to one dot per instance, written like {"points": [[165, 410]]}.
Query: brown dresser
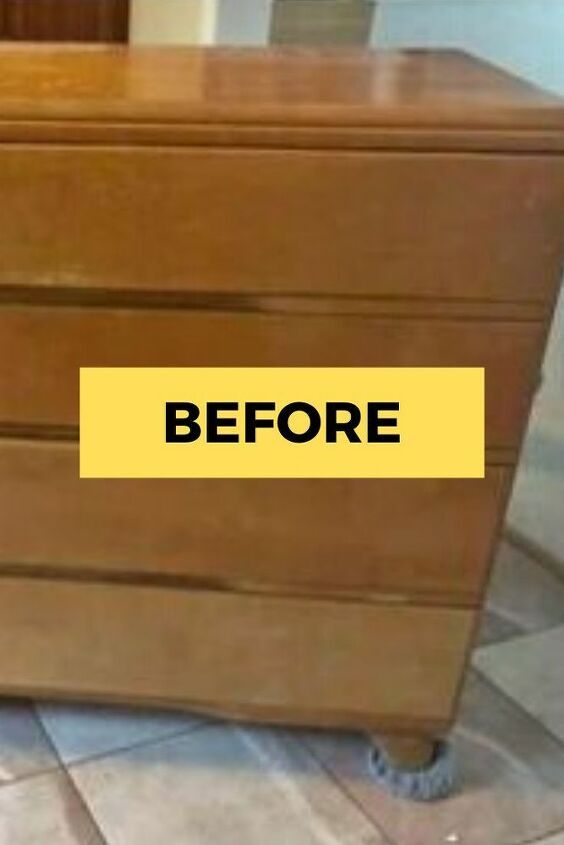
{"points": [[271, 208]]}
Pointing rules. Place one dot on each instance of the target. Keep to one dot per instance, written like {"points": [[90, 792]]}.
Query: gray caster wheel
{"points": [[430, 782]]}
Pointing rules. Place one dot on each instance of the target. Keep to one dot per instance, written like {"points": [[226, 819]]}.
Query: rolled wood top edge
{"points": [[378, 92]]}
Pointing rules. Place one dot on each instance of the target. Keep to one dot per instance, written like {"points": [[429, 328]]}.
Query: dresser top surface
{"points": [[312, 89]]}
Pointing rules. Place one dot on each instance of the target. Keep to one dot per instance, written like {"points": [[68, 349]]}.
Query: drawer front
{"points": [[41, 350], [426, 539], [388, 224], [311, 661]]}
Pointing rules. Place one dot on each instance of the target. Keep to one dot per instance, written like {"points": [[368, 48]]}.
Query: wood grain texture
{"points": [[275, 207], [420, 538], [437, 92], [64, 20], [285, 659], [42, 349], [274, 221]]}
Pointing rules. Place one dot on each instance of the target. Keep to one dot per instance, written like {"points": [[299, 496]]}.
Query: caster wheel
{"points": [[428, 783]]}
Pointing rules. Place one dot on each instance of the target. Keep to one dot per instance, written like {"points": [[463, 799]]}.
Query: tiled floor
{"points": [[104, 776], [536, 504]]}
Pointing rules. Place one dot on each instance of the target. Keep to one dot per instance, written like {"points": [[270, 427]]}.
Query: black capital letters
{"points": [[314, 422], [173, 422], [374, 422], [251, 422], [213, 422], [347, 426]]}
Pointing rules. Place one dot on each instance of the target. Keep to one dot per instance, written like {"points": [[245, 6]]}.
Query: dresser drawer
{"points": [[42, 349], [458, 225], [424, 538], [283, 659]]}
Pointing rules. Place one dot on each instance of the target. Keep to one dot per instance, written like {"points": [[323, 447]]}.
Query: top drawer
{"points": [[463, 226]]}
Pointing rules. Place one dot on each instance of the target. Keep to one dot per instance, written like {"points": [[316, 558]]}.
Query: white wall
{"points": [[526, 36], [234, 22], [166, 21], [243, 22]]}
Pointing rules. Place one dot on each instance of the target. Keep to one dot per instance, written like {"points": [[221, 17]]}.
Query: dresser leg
{"points": [[414, 768]]}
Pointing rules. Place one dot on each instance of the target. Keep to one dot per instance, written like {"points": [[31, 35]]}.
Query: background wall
{"points": [[242, 21], [166, 21], [524, 35], [200, 21], [336, 22]]}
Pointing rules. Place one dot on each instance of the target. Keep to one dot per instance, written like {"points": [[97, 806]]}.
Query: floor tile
{"points": [[45, 810], [80, 732], [221, 785], [536, 504], [511, 779], [557, 839], [536, 510], [530, 670], [523, 592], [24, 748], [495, 628]]}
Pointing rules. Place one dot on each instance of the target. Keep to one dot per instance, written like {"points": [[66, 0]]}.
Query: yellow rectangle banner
{"points": [[282, 422]]}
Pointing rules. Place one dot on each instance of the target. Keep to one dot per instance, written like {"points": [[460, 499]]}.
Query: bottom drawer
{"points": [[280, 659]]}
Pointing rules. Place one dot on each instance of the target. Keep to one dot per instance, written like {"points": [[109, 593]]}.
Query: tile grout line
{"points": [[61, 767], [69, 768], [523, 634], [203, 725], [207, 725], [559, 740], [76, 764], [36, 773], [543, 838], [509, 639], [77, 794], [70, 782], [57, 764], [388, 840], [535, 553]]}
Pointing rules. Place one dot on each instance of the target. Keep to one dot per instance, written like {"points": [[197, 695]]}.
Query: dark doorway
{"points": [[64, 20]]}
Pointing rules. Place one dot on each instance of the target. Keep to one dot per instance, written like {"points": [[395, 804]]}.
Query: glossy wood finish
{"points": [[445, 97], [42, 349], [261, 207], [252, 656], [275, 221], [426, 539], [64, 20]]}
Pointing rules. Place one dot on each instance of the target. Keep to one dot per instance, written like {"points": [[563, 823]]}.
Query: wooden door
{"points": [[64, 20]]}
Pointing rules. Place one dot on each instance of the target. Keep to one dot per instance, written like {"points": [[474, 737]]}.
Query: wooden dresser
{"points": [[290, 208]]}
